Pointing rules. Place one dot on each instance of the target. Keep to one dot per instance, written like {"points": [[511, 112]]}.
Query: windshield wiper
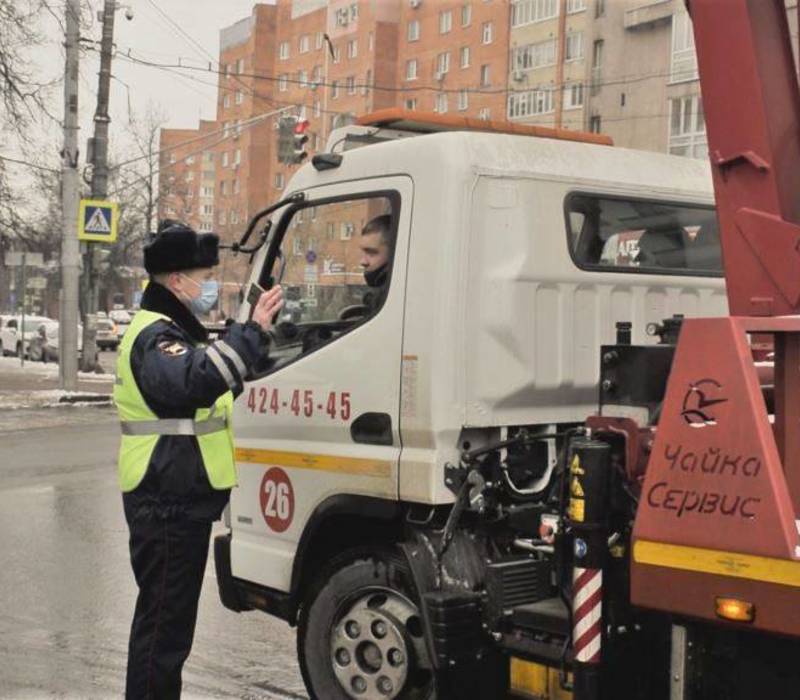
{"points": [[241, 245]]}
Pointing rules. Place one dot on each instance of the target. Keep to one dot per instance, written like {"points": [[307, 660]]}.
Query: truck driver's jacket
{"points": [[174, 394]]}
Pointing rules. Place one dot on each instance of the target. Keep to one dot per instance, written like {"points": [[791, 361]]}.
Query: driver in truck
{"points": [[377, 243]]}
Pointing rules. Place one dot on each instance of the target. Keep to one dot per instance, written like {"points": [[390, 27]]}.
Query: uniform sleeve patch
{"points": [[172, 348]]}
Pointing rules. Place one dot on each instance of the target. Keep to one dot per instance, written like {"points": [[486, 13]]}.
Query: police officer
{"points": [[174, 393]]}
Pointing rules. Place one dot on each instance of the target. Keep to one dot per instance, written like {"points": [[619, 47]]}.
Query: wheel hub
{"points": [[369, 650]]}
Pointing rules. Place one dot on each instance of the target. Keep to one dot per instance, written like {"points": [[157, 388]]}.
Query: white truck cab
{"points": [[514, 259]]}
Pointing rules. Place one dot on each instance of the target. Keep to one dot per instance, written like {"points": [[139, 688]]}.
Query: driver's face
{"points": [[374, 252]]}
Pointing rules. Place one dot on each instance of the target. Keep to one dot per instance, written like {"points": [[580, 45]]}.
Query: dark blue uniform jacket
{"points": [[176, 376]]}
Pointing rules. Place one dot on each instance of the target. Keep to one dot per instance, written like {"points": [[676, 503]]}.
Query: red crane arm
{"points": [[752, 110]]}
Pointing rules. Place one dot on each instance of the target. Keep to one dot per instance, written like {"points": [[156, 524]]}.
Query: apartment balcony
{"points": [[647, 15]]}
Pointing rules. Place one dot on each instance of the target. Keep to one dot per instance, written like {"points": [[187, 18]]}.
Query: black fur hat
{"points": [[176, 247]]}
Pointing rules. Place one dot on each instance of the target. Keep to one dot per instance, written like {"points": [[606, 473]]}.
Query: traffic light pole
{"points": [[70, 193], [99, 180]]}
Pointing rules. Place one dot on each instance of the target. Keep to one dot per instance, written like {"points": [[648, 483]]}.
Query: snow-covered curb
{"points": [[46, 369], [51, 398]]}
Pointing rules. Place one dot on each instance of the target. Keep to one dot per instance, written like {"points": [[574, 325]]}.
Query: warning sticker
{"points": [[575, 488], [277, 499]]}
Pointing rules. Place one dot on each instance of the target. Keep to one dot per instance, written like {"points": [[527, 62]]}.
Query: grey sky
{"points": [[183, 100]]}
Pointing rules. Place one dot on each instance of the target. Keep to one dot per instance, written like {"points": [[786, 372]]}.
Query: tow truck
{"points": [[566, 434]]}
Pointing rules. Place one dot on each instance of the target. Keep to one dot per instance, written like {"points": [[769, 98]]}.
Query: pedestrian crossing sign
{"points": [[97, 221]]}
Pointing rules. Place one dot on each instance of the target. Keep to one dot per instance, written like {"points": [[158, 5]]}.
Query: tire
{"points": [[360, 596], [19, 349]]}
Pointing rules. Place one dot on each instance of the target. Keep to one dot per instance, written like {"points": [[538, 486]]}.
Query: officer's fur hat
{"points": [[178, 247]]}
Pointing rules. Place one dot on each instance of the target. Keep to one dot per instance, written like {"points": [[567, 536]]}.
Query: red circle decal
{"points": [[277, 499]]}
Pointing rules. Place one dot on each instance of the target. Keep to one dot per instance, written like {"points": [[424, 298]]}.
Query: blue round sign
{"points": [[311, 257], [580, 548]]}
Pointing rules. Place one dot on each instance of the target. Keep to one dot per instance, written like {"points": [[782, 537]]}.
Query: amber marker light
{"points": [[735, 610]]}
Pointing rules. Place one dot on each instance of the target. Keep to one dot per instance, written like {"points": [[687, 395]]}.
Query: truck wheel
{"points": [[360, 634]]}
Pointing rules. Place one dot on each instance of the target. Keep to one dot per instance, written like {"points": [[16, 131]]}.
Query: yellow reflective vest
{"points": [[142, 429]]}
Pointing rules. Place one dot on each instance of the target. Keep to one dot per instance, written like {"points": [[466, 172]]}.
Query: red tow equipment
{"points": [[718, 515]]}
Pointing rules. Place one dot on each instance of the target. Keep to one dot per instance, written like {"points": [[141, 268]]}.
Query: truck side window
{"points": [[634, 234], [334, 264]]}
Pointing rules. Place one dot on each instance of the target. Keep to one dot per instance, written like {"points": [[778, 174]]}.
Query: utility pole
{"points": [[99, 161], [70, 193]]}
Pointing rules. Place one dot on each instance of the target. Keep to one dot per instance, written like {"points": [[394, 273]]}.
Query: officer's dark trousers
{"points": [[168, 560]]}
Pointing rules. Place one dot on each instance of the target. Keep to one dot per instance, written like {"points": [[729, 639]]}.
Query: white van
{"points": [[514, 258]]}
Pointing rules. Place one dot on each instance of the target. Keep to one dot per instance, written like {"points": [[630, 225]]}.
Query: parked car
{"points": [[107, 334], [44, 344], [14, 339], [122, 318], [8, 334]]}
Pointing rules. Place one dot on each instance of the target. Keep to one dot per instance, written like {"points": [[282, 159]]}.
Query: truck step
{"points": [[549, 615]]}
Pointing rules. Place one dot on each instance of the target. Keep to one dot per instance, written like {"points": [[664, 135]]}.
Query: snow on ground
{"points": [[47, 398], [12, 365]]}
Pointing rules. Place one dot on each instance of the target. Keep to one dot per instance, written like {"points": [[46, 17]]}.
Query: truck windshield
{"points": [[622, 234]]}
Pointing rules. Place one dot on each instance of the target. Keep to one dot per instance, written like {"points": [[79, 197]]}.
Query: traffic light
{"points": [[299, 141], [292, 138], [286, 139]]}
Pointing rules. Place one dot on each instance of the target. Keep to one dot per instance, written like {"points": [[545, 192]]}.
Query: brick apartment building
{"points": [[623, 67]]}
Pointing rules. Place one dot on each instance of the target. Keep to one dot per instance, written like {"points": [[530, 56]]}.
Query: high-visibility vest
{"points": [[141, 428]]}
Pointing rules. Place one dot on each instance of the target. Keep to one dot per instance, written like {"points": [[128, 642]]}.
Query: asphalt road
{"points": [[67, 589]]}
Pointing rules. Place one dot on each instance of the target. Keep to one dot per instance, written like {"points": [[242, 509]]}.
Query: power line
{"points": [[284, 79], [9, 159]]}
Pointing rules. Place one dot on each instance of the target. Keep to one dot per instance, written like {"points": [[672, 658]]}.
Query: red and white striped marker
{"points": [[587, 606]]}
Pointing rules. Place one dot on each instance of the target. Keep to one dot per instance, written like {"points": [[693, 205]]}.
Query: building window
{"points": [[234, 217], [367, 82], [445, 21], [319, 40], [337, 54], [487, 31], [240, 66], [466, 15], [239, 97], [542, 53], [528, 11], [351, 85], [190, 176], [226, 101], [330, 231], [283, 82], [297, 245], [575, 6], [334, 89], [530, 103], [597, 54], [411, 104], [485, 78], [236, 186], [574, 46], [227, 70], [206, 191], [599, 8], [305, 43], [342, 16], [440, 104], [371, 41], [465, 56], [278, 181], [595, 124], [413, 30], [684, 58], [223, 187], [189, 160], [442, 64], [237, 157], [302, 78], [283, 50], [222, 218], [352, 48], [317, 108], [347, 231], [687, 127], [316, 75], [484, 114], [463, 100], [573, 95], [225, 159], [411, 69]]}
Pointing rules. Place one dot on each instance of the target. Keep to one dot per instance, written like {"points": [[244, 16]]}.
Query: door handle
{"points": [[372, 429]]}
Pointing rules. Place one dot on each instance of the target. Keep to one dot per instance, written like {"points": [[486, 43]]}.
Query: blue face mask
{"points": [[209, 292]]}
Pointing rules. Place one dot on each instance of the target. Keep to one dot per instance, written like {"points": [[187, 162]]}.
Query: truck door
{"points": [[322, 421]]}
